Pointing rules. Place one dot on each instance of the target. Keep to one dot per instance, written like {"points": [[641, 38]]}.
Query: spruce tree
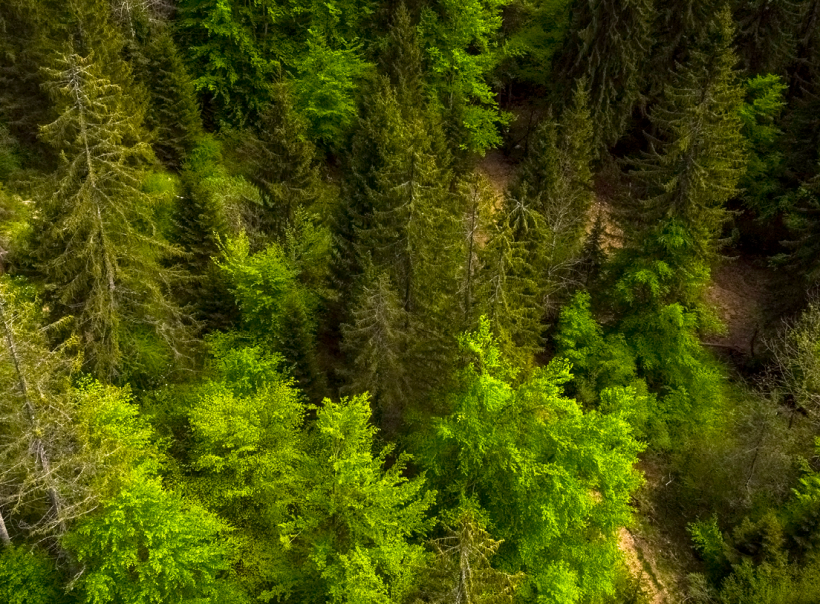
{"points": [[548, 204], [378, 342], [609, 46], [409, 216], [278, 157], [766, 38], [513, 303], [97, 245], [172, 116], [695, 162]]}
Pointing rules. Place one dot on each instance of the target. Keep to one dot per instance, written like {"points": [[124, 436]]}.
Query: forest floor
{"points": [[744, 295]]}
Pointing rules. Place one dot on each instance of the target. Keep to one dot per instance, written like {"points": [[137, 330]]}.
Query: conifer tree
{"points": [[378, 341], [476, 226], [172, 116], [462, 570], [679, 24], [694, 164], [609, 46], [512, 304], [97, 245], [549, 202], [767, 35], [278, 157], [408, 216]]}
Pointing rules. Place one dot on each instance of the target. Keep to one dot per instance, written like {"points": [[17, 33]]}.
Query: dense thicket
{"points": [[375, 302]]}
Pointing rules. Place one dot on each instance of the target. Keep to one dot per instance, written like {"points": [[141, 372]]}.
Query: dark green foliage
{"points": [[379, 342], [280, 159], [28, 577], [172, 117], [230, 61], [609, 45], [535, 33], [698, 156], [760, 184], [767, 32]]}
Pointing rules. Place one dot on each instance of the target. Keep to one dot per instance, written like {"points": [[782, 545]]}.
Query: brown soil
{"points": [[499, 170], [741, 294]]}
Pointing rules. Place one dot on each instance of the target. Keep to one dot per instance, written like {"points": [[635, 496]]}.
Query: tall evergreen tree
{"points": [[172, 116], [767, 35], [609, 45], [378, 341], [97, 245], [278, 157], [694, 164]]}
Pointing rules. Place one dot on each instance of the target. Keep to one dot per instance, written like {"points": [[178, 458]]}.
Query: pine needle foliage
{"points": [[97, 245], [609, 46], [693, 166]]}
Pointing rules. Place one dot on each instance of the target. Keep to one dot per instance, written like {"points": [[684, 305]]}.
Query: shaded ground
{"points": [[745, 297]]}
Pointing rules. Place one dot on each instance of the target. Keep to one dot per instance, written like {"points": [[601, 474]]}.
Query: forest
{"points": [[410, 302]]}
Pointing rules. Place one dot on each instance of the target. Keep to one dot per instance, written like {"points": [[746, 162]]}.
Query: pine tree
{"points": [[477, 224], [97, 246], [766, 35], [378, 343], [462, 570], [172, 116], [694, 164], [609, 46], [278, 157]]}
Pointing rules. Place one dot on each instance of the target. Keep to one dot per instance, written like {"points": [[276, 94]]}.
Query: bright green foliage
{"points": [[555, 481], [145, 546], [172, 117], [63, 444], [28, 577], [276, 307], [657, 295], [598, 361], [319, 517], [462, 569], [324, 88], [96, 241], [535, 32], [694, 166], [609, 46], [461, 42], [758, 114], [349, 530]]}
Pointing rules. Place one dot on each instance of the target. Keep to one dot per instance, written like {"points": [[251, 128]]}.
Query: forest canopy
{"points": [[419, 302]]}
